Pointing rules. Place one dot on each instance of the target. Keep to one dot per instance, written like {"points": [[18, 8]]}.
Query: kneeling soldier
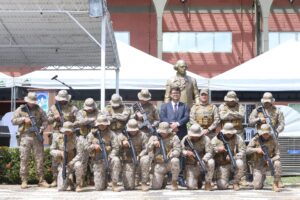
{"points": [[60, 151], [196, 142], [104, 150], [133, 144], [224, 163], [266, 156], [164, 163]]}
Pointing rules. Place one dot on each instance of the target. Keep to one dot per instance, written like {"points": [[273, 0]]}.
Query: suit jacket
{"points": [[182, 116]]}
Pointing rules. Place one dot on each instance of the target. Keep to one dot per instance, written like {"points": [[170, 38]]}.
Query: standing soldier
{"points": [[188, 85], [257, 117], [68, 111], [32, 121], [139, 141], [201, 144], [85, 119], [205, 114], [57, 151], [103, 165], [265, 142], [118, 114], [149, 109], [171, 144], [222, 159], [233, 112]]}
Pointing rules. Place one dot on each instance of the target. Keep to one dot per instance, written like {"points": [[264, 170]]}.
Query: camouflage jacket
{"points": [[235, 115], [118, 117]]}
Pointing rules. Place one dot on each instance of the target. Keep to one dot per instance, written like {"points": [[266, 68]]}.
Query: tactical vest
{"points": [[107, 140], [220, 158], [67, 113], [273, 115], [71, 146], [36, 112], [116, 125], [125, 152], [200, 148], [168, 145], [204, 115], [85, 129], [237, 123]]}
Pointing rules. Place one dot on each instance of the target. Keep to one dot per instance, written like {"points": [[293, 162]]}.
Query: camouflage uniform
{"points": [[260, 167], [204, 149], [69, 112], [57, 151], [223, 166], [118, 114], [206, 115], [276, 115], [28, 139], [85, 119], [173, 151], [112, 149], [139, 141], [188, 85], [150, 110], [233, 114]]}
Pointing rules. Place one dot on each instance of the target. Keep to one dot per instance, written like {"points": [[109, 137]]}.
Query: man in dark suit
{"points": [[177, 115]]}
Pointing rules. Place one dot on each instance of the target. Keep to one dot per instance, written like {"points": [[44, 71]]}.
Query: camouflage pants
{"points": [[30, 142], [259, 174], [54, 162], [223, 174], [161, 169], [62, 185], [193, 174], [129, 172]]}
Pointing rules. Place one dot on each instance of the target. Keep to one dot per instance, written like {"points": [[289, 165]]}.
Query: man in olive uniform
{"points": [[222, 159], [139, 142], [257, 117], [205, 114], [260, 166], [69, 112], [188, 85], [85, 119], [150, 110], [233, 112], [173, 150], [112, 149], [193, 171], [57, 151], [29, 141], [118, 114]]}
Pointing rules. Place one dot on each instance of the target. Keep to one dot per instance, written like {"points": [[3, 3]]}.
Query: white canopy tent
{"points": [[5, 81], [276, 70], [138, 70]]}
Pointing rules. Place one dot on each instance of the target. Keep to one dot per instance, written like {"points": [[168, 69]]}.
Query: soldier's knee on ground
{"points": [[222, 184], [175, 164]]}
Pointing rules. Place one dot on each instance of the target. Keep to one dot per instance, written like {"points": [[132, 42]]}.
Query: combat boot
{"points": [[43, 183], [145, 187], [280, 184], [24, 185], [236, 187], [174, 185], [115, 187], [54, 183], [78, 188], [208, 186], [275, 186]]}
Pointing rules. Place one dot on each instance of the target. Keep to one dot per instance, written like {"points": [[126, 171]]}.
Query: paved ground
{"points": [[14, 192]]}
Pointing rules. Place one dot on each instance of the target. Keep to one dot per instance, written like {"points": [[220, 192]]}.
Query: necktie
{"points": [[175, 107]]}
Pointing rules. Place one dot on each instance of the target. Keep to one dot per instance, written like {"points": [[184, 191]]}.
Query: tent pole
{"points": [[103, 55], [117, 80]]}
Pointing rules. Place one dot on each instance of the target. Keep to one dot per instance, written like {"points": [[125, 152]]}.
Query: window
{"points": [[123, 36], [205, 42], [277, 38]]}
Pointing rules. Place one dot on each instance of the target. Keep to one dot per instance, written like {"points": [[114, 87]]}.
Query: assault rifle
{"points": [[266, 155], [197, 156], [131, 147], [103, 151], [137, 107], [221, 137], [269, 121], [34, 128], [65, 161]]}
